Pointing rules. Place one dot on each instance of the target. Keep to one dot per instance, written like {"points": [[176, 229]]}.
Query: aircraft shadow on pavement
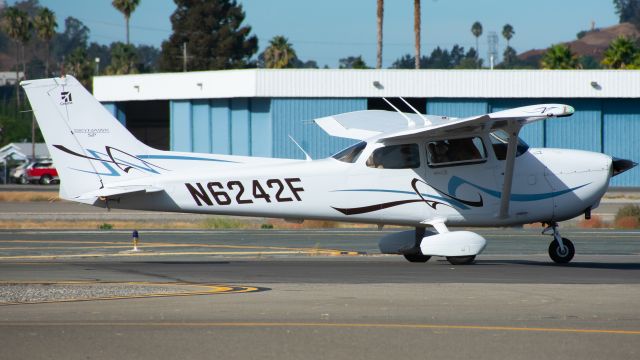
{"points": [[187, 262], [575, 264]]}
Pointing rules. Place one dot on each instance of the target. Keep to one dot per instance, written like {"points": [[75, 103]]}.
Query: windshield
{"points": [[350, 154], [499, 141]]}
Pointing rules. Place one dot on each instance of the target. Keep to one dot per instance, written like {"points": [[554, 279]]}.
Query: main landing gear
{"points": [[416, 255], [561, 250]]}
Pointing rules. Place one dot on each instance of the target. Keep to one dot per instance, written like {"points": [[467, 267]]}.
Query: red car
{"points": [[42, 172]]}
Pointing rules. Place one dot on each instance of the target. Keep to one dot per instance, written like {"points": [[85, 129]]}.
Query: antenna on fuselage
{"points": [[410, 123], [424, 118], [306, 156]]}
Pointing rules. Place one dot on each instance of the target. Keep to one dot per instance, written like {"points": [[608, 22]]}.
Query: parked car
{"points": [[42, 172], [17, 174]]}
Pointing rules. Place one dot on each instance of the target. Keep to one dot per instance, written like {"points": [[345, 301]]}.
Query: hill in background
{"points": [[592, 43]]}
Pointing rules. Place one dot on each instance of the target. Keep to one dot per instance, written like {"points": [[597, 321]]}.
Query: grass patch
{"points": [[92, 225], [226, 223], [28, 196]]}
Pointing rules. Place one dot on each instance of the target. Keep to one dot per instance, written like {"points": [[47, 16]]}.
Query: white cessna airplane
{"points": [[408, 169]]}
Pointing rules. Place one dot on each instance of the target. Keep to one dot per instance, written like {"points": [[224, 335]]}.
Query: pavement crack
{"points": [[147, 274]]}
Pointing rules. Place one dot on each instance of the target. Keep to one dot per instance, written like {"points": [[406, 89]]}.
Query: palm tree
{"points": [[621, 53], [416, 29], [16, 24], [123, 58], [559, 57], [126, 7], [279, 54], [476, 30], [380, 18], [507, 32], [45, 23]]}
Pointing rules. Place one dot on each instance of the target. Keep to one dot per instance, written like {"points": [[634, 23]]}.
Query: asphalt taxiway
{"points": [[313, 294]]}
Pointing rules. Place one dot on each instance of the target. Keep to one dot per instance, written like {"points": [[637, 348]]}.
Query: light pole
{"points": [[97, 66]]}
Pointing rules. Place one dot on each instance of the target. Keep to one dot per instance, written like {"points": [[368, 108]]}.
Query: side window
{"points": [[456, 151], [499, 140], [406, 156]]}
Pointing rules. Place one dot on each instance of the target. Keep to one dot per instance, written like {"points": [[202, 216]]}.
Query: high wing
{"points": [[386, 125], [383, 126], [517, 117]]}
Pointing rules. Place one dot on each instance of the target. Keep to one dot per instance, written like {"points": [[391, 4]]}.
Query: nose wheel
{"points": [[561, 250]]}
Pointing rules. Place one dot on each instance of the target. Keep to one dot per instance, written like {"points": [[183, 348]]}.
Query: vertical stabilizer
{"points": [[89, 147]]}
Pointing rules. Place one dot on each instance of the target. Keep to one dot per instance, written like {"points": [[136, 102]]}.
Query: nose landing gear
{"points": [[561, 250]]}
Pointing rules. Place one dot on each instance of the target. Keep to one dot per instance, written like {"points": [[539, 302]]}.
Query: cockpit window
{"points": [[350, 154], [500, 140], [406, 156], [456, 151]]}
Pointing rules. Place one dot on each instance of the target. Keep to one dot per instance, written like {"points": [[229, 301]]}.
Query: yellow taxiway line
{"points": [[330, 325], [258, 250], [141, 253]]}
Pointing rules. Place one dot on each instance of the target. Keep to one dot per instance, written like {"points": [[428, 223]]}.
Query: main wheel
{"points": [[558, 255], [417, 258], [461, 260], [46, 179]]}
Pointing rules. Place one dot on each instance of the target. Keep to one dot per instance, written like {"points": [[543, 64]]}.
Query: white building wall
{"points": [[337, 83]]}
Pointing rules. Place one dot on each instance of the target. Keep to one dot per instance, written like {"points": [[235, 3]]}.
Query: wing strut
{"points": [[410, 123], [512, 149]]}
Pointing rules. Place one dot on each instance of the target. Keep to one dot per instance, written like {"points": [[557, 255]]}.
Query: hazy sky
{"points": [[328, 30]]}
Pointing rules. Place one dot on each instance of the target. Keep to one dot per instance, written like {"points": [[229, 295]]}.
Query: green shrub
{"points": [[266, 226], [105, 226], [629, 210]]}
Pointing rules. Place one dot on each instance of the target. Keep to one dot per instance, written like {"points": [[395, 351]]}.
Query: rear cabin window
{"points": [[350, 154], [406, 156], [456, 151]]}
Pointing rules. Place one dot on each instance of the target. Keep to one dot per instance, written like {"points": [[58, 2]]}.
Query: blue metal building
{"points": [[253, 112]]}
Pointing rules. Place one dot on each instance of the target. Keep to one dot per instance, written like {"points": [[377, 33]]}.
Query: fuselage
{"points": [[549, 185]]}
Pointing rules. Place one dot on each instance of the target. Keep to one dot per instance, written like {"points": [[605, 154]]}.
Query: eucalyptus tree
{"points": [[45, 24], [214, 33], [126, 7]]}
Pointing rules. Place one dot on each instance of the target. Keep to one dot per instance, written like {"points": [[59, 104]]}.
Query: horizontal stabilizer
{"points": [[119, 191]]}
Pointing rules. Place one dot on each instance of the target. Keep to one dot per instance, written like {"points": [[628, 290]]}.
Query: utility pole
{"points": [[184, 57], [33, 137]]}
